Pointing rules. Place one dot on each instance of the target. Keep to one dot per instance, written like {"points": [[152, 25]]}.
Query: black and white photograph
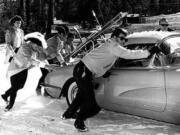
{"points": [[89, 67]]}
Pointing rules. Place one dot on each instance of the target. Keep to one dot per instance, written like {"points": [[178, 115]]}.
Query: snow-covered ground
{"points": [[37, 115]]}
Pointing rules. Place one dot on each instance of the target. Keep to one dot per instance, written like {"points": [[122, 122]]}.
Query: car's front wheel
{"points": [[71, 90]]}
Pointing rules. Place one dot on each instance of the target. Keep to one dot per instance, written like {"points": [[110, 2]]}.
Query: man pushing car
{"points": [[95, 64]]}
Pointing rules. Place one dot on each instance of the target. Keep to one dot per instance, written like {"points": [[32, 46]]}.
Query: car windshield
{"points": [[173, 57], [136, 62], [173, 43]]}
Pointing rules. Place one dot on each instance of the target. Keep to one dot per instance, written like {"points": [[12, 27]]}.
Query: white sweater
{"points": [[102, 58]]}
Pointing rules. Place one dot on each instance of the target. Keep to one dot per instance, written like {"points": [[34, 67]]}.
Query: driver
{"points": [[96, 64]]}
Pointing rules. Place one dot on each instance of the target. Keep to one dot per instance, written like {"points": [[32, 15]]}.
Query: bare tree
{"points": [[50, 16]]}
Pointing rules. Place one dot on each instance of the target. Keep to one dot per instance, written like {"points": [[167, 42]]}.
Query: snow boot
{"points": [[4, 98], [68, 115], [80, 126], [7, 108]]}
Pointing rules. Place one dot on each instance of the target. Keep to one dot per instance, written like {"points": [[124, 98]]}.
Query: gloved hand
{"points": [[154, 50]]}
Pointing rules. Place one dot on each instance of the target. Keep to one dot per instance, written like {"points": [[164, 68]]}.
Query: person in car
{"points": [[56, 43], [164, 25], [14, 37], [30, 54], [54, 52], [68, 46], [95, 64]]}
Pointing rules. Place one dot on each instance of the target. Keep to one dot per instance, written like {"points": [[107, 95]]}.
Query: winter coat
{"points": [[25, 58], [54, 47], [13, 38], [102, 58]]}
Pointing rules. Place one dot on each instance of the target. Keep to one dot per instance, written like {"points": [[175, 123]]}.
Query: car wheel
{"points": [[71, 93], [70, 90]]}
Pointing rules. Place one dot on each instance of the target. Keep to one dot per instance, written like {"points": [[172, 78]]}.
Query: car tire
{"points": [[70, 89]]}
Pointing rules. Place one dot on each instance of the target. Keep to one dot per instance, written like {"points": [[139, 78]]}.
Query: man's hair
{"points": [[61, 29], [65, 27], [119, 31], [70, 35], [15, 18]]}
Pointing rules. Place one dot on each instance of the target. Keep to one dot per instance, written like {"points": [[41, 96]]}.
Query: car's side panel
{"points": [[172, 77], [141, 88]]}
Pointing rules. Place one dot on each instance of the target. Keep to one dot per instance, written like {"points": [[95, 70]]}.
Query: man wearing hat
{"points": [[30, 54], [14, 37], [163, 25]]}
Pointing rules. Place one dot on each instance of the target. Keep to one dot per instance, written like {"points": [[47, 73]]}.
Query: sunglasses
{"points": [[18, 22], [164, 25], [123, 38]]}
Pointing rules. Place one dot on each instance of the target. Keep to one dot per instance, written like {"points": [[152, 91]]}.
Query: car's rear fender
{"points": [[59, 76], [99, 90]]}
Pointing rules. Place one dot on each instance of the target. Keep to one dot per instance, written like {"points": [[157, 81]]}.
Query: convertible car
{"points": [[147, 87]]}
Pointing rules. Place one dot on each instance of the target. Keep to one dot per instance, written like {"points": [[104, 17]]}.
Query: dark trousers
{"points": [[17, 82], [44, 73], [85, 98], [41, 80]]}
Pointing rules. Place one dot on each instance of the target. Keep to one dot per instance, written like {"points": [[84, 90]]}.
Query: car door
{"points": [[172, 80], [172, 73], [135, 84]]}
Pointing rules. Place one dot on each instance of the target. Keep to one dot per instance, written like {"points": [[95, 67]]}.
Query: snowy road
{"points": [[37, 115]]}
